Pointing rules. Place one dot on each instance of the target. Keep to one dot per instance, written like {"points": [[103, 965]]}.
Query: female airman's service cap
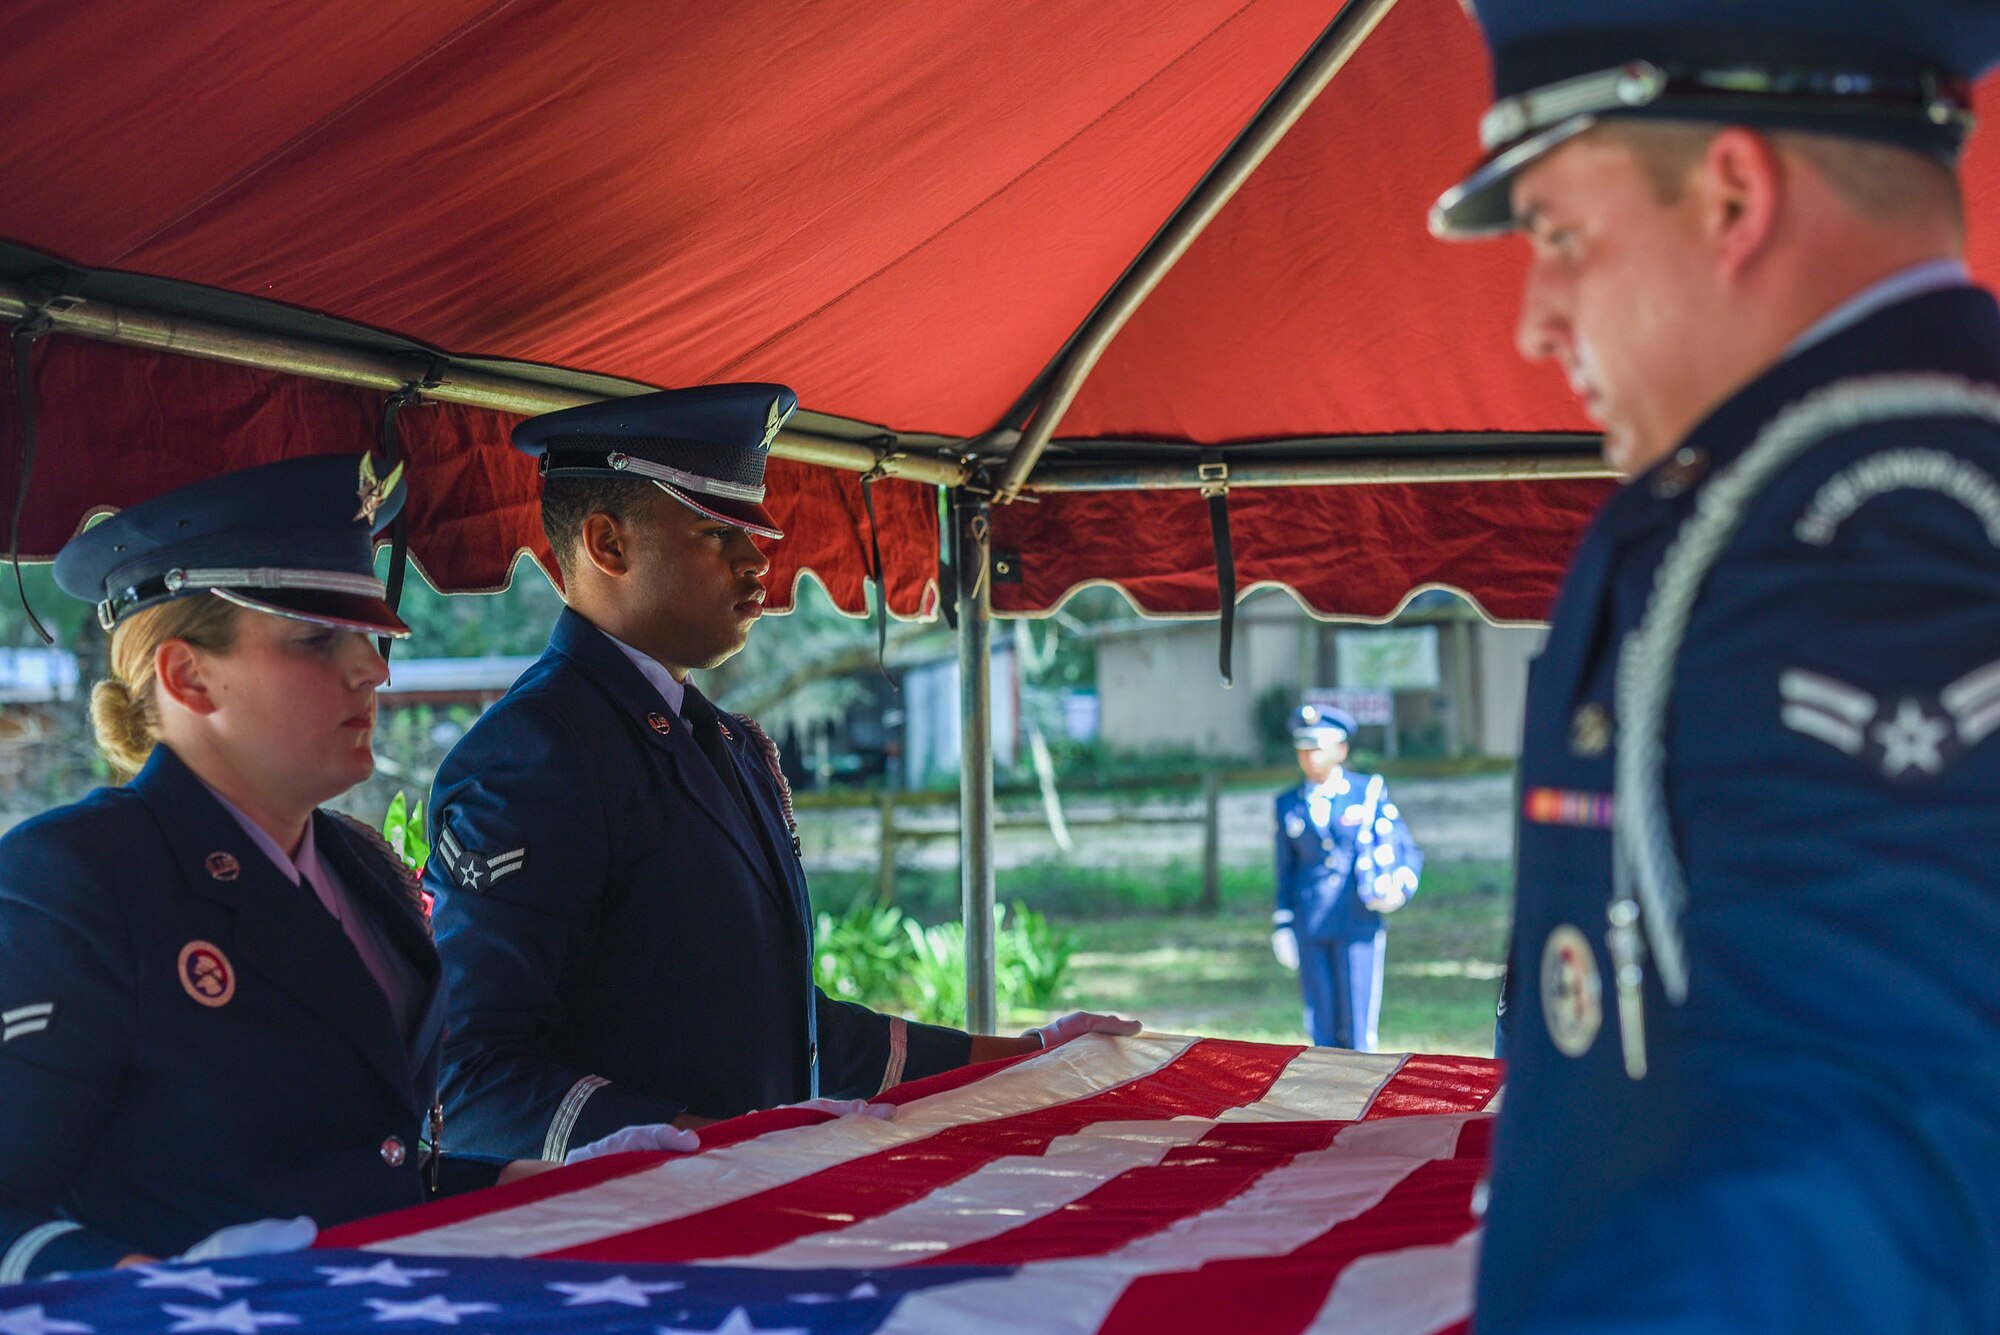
{"points": [[706, 447], [295, 539], [1898, 73]]}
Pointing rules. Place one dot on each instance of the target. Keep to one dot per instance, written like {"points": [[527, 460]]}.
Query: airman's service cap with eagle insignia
{"points": [[706, 447], [295, 539], [1898, 73]]}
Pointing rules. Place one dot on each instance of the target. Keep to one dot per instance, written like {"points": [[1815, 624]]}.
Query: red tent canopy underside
{"points": [[900, 209]]}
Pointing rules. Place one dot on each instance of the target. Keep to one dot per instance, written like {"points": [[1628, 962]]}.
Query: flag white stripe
{"points": [[1285, 1209], [1019, 1189], [1415, 1291], [1322, 1085], [677, 1188], [1001, 1195]]}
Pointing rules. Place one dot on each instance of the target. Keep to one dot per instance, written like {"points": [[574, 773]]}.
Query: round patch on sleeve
{"points": [[1572, 994], [206, 974]]}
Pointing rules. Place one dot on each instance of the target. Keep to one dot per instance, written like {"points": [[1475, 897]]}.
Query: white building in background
{"points": [[1454, 684], [930, 715]]}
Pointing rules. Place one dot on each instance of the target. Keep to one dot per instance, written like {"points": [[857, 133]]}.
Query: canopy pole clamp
{"points": [[411, 395], [1213, 475]]}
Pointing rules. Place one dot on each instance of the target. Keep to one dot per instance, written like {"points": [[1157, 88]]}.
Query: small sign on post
{"points": [[1370, 706]]}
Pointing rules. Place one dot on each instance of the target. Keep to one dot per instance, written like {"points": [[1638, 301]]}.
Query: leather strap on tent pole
{"points": [[23, 344], [1215, 490], [392, 453], [881, 577]]}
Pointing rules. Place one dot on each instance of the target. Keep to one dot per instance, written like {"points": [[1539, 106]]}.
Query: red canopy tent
{"points": [[244, 226], [902, 211]]}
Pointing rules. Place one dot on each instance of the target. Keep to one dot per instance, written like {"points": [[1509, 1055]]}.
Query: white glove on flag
{"points": [[652, 1136], [1285, 945], [259, 1237], [1078, 1023]]}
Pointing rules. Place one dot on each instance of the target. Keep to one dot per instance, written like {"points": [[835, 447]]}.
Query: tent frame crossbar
{"points": [[136, 327]]}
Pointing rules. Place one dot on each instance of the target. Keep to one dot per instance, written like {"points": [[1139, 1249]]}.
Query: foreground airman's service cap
{"points": [[296, 539], [1317, 726], [705, 447], [1894, 71]]}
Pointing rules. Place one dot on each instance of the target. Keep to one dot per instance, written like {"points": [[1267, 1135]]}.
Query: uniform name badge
{"points": [[1572, 992]]}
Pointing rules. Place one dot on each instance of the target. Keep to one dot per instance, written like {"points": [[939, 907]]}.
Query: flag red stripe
{"points": [[1188, 1180], [1280, 1295], [1227, 1161], [1204, 1080], [1427, 1085]]}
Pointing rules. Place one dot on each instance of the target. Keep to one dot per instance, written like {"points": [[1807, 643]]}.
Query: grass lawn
{"points": [[1143, 950], [1215, 975]]}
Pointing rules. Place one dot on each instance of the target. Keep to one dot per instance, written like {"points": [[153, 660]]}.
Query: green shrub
{"points": [[860, 955], [875, 955], [403, 827]]}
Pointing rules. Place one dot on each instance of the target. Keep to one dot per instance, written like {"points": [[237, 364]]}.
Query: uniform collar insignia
{"points": [[373, 493]]}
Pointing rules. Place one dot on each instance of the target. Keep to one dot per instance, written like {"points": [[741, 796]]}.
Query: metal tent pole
{"points": [[1342, 38], [973, 519], [136, 327]]}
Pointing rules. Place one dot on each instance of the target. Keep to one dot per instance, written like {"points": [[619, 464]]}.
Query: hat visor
{"points": [[1317, 741], [743, 514], [342, 611], [1482, 204]]}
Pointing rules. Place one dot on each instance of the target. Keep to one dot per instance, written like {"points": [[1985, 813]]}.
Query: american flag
{"points": [[1156, 1183]]}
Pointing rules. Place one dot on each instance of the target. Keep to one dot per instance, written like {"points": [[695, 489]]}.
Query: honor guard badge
{"points": [[660, 723], [206, 974], [373, 493], [223, 866], [474, 872], [1572, 994], [1295, 825]]}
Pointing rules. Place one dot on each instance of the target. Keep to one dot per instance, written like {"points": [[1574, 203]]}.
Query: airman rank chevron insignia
{"points": [[475, 872], [1909, 738]]}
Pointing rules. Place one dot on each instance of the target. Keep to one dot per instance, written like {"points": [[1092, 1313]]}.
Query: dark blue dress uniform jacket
{"points": [[152, 1119], [1817, 1144], [640, 929], [1316, 873]]}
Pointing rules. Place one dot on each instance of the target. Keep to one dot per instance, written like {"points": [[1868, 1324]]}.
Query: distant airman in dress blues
{"points": [[620, 903], [1345, 859], [1754, 1016]]}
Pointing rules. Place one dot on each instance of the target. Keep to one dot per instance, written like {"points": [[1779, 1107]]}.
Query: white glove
{"points": [[1285, 945], [848, 1108], [652, 1136], [259, 1237], [1078, 1023]]}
